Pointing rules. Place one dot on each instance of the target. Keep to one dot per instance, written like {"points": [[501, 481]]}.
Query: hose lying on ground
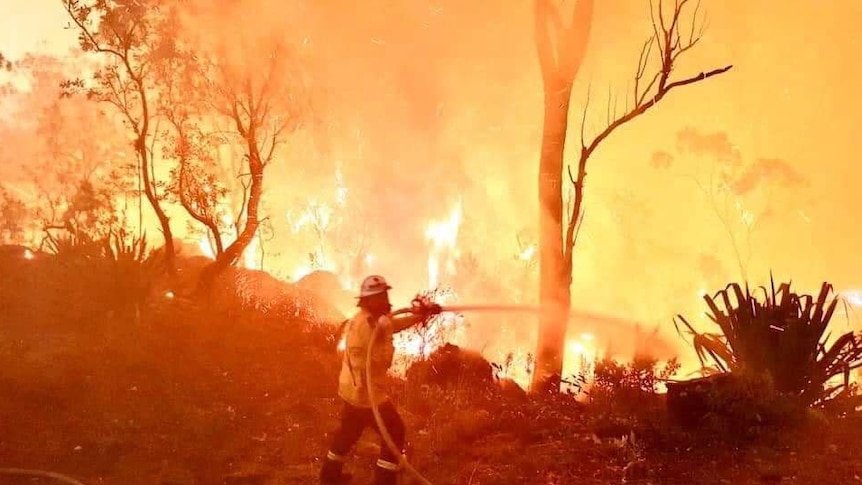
{"points": [[39, 474]]}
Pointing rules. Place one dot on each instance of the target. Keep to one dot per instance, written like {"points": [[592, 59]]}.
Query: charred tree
{"points": [[672, 37], [126, 33], [561, 50], [255, 101], [194, 183]]}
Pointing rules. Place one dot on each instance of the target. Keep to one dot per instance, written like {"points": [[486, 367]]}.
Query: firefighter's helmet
{"points": [[373, 285]]}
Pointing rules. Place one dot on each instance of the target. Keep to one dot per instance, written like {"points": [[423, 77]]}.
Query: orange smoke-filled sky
{"points": [[792, 96]]}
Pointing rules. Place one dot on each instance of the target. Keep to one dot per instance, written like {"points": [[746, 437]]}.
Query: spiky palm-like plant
{"points": [[114, 274], [132, 269], [784, 335]]}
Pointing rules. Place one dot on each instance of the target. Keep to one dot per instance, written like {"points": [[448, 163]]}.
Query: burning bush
{"points": [[783, 336], [418, 343]]}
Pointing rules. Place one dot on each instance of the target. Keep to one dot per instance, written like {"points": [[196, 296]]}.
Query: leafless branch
{"points": [[671, 49], [667, 38], [584, 119]]}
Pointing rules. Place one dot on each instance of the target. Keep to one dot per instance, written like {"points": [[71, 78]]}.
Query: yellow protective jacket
{"points": [[352, 383]]}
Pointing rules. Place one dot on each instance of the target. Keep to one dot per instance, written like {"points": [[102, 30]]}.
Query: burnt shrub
{"points": [[738, 407], [624, 397], [628, 387]]}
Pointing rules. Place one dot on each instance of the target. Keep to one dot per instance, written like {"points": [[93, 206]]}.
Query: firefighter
{"points": [[374, 312]]}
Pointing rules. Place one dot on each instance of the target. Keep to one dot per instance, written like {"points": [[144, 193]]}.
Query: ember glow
{"points": [[249, 260], [443, 236]]}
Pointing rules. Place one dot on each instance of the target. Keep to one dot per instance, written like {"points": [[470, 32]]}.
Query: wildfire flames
{"points": [[441, 236], [433, 120], [443, 253]]}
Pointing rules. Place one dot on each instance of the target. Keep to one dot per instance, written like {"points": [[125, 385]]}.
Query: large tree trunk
{"points": [[561, 49], [554, 284]]}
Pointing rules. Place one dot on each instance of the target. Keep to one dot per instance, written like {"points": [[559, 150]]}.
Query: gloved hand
{"points": [[422, 305]]}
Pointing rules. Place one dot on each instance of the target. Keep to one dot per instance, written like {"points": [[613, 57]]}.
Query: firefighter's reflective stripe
{"points": [[347, 355], [335, 457], [352, 386], [388, 465]]}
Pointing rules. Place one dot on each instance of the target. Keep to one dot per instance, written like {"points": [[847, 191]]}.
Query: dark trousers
{"points": [[354, 420]]}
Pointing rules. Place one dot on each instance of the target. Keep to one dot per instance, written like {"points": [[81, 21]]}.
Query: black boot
{"points": [[332, 473], [385, 477]]}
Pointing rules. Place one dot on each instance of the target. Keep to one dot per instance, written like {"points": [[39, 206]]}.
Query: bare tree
{"points": [[742, 195], [127, 33], [14, 216], [257, 100], [194, 180], [561, 51]]}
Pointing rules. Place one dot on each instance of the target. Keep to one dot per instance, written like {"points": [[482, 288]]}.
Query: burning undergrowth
{"points": [[419, 343]]}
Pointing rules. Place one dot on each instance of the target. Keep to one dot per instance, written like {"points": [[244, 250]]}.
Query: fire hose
{"points": [[39, 474], [381, 426]]}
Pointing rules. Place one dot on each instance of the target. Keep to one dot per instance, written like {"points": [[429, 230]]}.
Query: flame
{"points": [[446, 327], [318, 262], [420, 343], [206, 247], [854, 297], [528, 253], [443, 236], [581, 355], [340, 187], [249, 259], [249, 256], [516, 366], [316, 215]]}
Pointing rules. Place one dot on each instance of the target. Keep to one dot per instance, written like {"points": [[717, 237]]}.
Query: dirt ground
{"points": [[216, 400]]}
